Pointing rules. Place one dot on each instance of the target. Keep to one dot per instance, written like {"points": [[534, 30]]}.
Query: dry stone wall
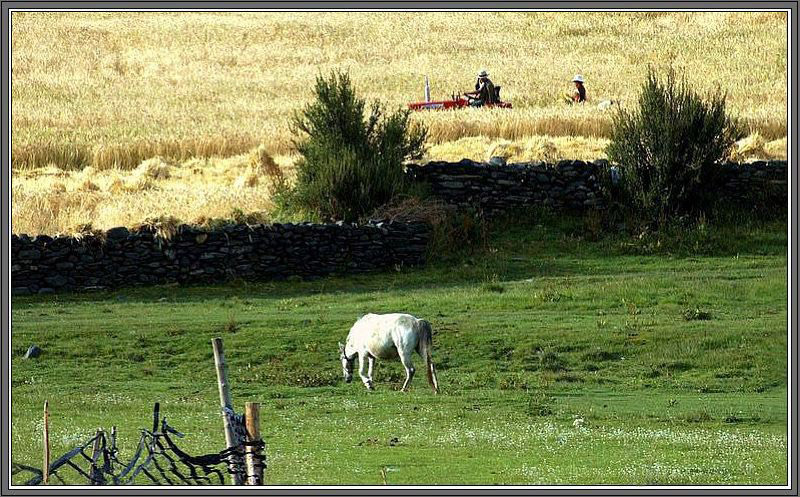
{"points": [[121, 258], [572, 185], [755, 184], [578, 185]]}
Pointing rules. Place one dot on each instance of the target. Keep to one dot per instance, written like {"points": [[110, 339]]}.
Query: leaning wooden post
{"points": [[46, 441], [235, 462], [255, 469]]}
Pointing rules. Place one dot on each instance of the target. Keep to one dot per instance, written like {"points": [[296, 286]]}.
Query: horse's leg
{"points": [[367, 380], [371, 362], [406, 360], [433, 380]]}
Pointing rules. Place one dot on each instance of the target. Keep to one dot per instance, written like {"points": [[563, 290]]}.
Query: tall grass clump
{"points": [[351, 161], [669, 148]]}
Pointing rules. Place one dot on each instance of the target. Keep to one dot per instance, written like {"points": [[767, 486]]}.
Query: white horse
{"points": [[385, 336]]}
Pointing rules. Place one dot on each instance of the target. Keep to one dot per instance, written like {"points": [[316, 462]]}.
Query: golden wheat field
{"points": [[97, 94]]}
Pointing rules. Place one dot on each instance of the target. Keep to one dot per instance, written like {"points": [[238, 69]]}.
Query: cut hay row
{"points": [[52, 200]]}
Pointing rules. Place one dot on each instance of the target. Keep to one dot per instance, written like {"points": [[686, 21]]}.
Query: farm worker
{"points": [[484, 90], [579, 93]]}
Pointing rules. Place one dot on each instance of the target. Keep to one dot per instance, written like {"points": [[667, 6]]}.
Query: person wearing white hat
{"points": [[579, 93]]}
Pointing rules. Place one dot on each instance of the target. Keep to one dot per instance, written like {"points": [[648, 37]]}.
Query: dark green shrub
{"points": [[551, 361], [351, 162], [512, 381], [540, 404], [695, 314], [697, 417], [669, 149]]}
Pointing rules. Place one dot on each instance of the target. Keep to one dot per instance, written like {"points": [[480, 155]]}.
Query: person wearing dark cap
{"points": [[484, 91]]}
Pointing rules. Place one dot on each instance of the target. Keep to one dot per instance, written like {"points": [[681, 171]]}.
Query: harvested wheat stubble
{"points": [[113, 89]]}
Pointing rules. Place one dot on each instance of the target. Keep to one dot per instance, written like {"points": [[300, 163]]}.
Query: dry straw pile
{"points": [[51, 200]]}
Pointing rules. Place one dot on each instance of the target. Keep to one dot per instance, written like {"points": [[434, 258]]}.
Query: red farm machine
{"points": [[456, 101]]}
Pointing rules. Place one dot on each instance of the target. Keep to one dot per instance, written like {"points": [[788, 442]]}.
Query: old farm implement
{"points": [[456, 101]]}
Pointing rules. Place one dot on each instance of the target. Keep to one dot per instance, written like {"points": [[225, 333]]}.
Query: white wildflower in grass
{"points": [[74, 438]]}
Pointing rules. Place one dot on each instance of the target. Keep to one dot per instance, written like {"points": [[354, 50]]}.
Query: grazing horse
{"points": [[385, 336]]}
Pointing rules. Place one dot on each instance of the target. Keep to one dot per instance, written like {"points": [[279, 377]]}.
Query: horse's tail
{"points": [[425, 347]]}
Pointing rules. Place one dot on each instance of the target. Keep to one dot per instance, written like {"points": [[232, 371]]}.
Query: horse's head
{"points": [[347, 364]]}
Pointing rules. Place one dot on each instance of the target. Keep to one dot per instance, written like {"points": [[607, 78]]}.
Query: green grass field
{"points": [[676, 362]]}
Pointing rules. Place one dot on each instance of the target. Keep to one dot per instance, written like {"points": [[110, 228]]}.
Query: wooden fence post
{"points": [[46, 441], [96, 448], [255, 470], [156, 414], [114, 439], [235, 462]]}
